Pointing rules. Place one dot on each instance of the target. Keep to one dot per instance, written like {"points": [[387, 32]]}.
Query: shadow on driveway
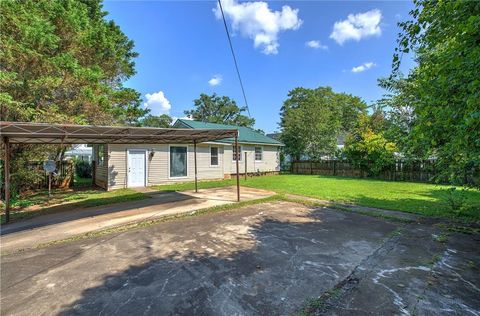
{"points": [[263, 259]]}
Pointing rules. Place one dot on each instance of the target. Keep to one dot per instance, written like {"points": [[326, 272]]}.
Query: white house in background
{"points": [[122, 166], [80, 152]]}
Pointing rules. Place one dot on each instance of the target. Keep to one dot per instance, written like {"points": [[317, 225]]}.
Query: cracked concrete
{"points": [[47, 228], [262, 259]]}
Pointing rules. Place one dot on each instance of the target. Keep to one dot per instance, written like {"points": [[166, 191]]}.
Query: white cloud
{"points": [[315, 44], [216, 80], [175, 118], [256, 21], [158, 102], [357, 26], [363, 67]]}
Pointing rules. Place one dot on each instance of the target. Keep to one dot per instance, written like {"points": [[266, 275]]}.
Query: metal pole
{"points": [[245, 166], [6, 171], [49, 184], [195, 163], [238, 169]]}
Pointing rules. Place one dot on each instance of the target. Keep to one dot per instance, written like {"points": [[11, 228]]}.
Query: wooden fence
{"points": [[63, 177], [415, 171]]}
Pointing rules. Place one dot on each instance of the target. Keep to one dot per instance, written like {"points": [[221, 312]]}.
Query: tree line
{"points": [[433, 112]]}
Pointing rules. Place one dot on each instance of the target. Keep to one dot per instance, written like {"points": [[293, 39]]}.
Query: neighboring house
{"points": [[80, 152], [151, 164]]}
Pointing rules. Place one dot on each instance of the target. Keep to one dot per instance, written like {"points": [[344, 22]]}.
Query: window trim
{"points": [[241, 151], [255, 153], [218, 156], [169, 162]]}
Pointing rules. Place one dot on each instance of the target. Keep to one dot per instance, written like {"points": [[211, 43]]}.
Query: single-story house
{"points": [[138, 165]]}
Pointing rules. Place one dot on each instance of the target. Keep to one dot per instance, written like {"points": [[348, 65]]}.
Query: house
{"points": [[80, 152], [138, 165]]}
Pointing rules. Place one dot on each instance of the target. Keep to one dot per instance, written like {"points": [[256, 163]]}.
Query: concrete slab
{"points": [[266, 259], [32, 232]]}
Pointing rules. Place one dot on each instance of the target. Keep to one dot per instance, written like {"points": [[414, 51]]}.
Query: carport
{"points": [[66, 134]]}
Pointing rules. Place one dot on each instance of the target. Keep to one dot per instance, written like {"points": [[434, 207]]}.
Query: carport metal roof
{"points": [[45, 133], [42, 133]]}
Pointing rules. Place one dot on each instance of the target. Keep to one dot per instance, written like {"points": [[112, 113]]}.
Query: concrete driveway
{"points": [[267, 259], [46, 228]]}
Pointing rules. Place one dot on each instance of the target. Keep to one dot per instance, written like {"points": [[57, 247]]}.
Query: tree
{"points": [[219, 109], [163, 120], [62, 62], [397, 110], [443, 90], [311, 120], [367, 148]]}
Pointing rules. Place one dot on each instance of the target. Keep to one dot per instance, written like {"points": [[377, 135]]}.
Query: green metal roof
{"points": [[246, 134]]}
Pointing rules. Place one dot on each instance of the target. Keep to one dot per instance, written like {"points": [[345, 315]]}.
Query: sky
{"points": [[183, 50]]}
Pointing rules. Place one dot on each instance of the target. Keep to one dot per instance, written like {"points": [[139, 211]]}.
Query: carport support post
{"points": [[237, 158], [195, 163], [245, 166], [6, 172]]}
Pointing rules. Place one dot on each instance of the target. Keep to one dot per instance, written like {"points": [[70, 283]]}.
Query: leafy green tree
{"points": [[397, 110], [219, 109], [163, 120], [62, 62], [443, 90], [367, 147], [311, 120]]}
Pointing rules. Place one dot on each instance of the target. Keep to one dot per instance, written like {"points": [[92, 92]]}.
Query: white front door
{"points": [[136, 168]]}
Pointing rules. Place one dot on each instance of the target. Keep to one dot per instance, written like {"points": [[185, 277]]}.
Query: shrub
{"points": [[455, 199], [83, 169]]}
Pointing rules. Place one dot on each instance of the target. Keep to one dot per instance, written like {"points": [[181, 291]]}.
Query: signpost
{"points": [[49, 166]]}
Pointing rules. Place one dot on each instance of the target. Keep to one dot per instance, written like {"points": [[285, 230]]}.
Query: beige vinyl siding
{"points": [[158, 166], [270, 161], [101, 171]]}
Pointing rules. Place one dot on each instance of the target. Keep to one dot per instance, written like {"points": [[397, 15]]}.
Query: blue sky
{"points": [[184, 50]]}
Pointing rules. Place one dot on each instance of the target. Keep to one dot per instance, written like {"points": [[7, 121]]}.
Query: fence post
{"points": [[311, 167], [334, 167]]}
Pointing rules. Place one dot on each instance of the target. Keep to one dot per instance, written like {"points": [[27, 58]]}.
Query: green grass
{"points": [[82, 182], [420, 198], [74, 198]]}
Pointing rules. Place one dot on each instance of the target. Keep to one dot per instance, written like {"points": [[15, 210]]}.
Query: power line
{"points": [[234, 58]]}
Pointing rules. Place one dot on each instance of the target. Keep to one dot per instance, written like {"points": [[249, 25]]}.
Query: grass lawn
{"points": [[39, 203], [421, 198], [82, 182]]}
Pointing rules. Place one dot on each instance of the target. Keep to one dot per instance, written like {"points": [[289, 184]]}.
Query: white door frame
{"points": [[145, 176]]}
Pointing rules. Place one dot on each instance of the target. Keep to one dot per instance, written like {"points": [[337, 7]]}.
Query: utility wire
{"points": [[234, 58]]}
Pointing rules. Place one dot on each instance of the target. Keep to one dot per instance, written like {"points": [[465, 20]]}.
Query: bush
{"points": [[83, 169], [455, 199]]}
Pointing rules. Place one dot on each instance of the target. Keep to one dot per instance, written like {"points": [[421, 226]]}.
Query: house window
{"points": [[100, 155], [235, 155], [213, 156], [178, 161], [258, 153]]}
